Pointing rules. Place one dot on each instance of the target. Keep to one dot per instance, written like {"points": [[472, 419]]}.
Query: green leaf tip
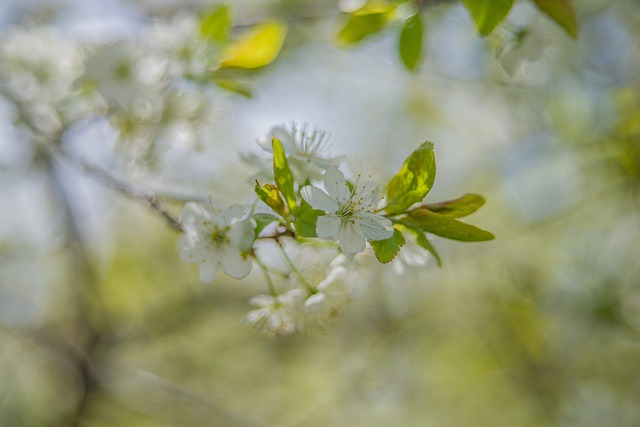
{"points": [[562, 12], [410, 47], [215, 25], [487, 14]]}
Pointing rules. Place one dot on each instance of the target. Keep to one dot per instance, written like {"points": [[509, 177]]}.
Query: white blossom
{"points": [[275, 315], [329, 296], [217, 240], [348, 212], [411, 254], [306, 150]]}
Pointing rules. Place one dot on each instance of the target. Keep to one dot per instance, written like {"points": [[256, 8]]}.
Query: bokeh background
{"points": [[101, 323]]}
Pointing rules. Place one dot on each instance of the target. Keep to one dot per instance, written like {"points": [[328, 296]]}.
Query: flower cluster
{"points": [[332, 234]]}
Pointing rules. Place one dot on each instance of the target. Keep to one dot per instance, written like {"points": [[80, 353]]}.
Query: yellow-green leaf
{"points": [[410, 47], [233, 86], [414, 180], [306, 220], [487, 14], [214, 26], [363, 23], [457, 208], [444, 226], [269, 194], [561, 11], [256, 48], [386, 250], [283, 175]]}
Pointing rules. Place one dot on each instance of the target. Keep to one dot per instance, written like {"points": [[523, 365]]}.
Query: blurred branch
{"points": [[111, 180], [147, 392]]}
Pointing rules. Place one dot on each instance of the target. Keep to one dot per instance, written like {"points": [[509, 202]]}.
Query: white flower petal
{"points": [[208, 270], [314, 302], [328, 227], [242, 234], [318, 199], [228, 216], [191, 248], [352, 240], [336, 185], [369, 195], [233, 263], [375, 227]]}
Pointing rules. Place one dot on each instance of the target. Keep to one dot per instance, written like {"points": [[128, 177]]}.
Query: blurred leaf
{"points": [[424, 242], [487, 14], [363, 23], [414, 180], [561, 11], [457, 208], [256, 48], [215, 25], [306, 220], [269, 194], [386, 250], [282, 174], [410, 47], [234, 86], [446, 227], [262, 220]]}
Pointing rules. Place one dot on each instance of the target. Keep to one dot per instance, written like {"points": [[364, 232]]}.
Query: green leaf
{"points": [[234, 86], [561, 11], [269, 194], [487, 14], [256, 48], [363, 23], [283, 175], [215, 25], [444, 226], [386, 250], [306, 220], [410, 47], [262, 220], [457, 208], [414, 180]]}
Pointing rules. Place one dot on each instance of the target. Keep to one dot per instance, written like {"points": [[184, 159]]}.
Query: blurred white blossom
{"points": [[275, 315]]}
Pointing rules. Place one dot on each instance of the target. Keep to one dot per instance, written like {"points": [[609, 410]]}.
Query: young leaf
{"points": [[269, 194], [363, 23], [306, 220], [561, 11], [215, 25], [445, 226], [410, 47], [457, 208], [487, 14], [414, 180], [256, 48], [386, 250], [233, 86], [422, 240], [283, 175], [262, 220]]}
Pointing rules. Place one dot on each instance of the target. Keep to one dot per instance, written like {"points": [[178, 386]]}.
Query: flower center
{"points": [[218, 235]]}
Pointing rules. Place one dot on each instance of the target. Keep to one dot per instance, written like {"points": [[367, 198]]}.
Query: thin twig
{"points": [[111, 180]]}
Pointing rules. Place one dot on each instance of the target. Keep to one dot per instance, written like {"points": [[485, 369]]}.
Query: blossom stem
{"points": [[265, 270], [294, 270]]}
